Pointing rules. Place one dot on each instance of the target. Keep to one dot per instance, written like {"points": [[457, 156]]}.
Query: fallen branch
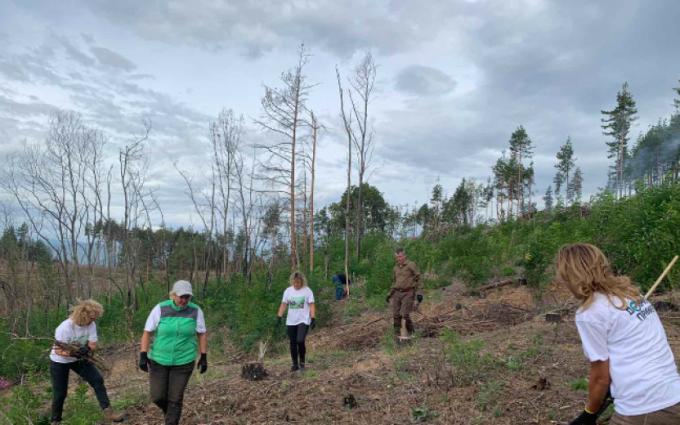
{"points": [[91, 357], [502, 283]]}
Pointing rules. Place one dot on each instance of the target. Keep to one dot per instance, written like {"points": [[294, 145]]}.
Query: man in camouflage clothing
{"points": [[406, 288]]}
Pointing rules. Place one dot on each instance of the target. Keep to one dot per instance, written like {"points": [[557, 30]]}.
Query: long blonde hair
{"points": [[297, 275], [585, 270], [86, 310]]}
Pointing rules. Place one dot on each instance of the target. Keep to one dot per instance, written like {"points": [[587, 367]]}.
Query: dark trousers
{"points": [[401, 304], [167, 388], [87, 371], [296, 335]]}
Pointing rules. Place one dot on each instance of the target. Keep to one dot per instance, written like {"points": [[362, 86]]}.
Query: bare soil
{"points": [[355, 375]]}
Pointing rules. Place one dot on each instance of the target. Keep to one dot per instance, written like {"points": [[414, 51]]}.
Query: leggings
{"points": [[296, 335], [60, 372]]}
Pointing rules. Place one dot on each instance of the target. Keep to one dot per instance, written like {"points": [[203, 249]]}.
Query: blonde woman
{"points": [[78, 330], [299, 300], [624, 341]]}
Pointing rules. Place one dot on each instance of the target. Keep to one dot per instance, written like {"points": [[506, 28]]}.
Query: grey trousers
{"points": [[167, 385]]}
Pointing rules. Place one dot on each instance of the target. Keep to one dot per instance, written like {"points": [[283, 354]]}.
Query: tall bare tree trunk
{"points": [[315, 128]]}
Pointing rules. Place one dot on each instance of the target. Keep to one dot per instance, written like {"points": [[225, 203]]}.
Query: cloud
{"points": [[73, 53], [112, 59], [420, 80], [255, 28]]}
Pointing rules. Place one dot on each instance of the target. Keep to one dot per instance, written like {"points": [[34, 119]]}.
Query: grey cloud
{"points": [[88, 38], [550, 68], [423, 80], [74, 53], [13, 71], [112, 59], [257, 27]]}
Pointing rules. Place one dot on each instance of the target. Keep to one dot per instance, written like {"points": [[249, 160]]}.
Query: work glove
{"points": [[144, 361], [82, 352], [585, 418], [419, 297], [202, 364], [312, 324]]}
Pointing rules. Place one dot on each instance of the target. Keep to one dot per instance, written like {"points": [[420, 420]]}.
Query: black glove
{"points": [[585, 418], [279, 321], [82, 352], [387, 298], [312, 324], [144, 361], [419, 297], [202, 364]]}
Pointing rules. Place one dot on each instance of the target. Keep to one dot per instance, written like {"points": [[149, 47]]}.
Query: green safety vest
{"points": [[176, 342]]}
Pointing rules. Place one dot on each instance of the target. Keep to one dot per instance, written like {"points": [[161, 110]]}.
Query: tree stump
{"points": [[253, 371]]}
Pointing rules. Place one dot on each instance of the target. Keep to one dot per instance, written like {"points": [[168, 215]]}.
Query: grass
{"points": [[466, 357], [580, 384]]}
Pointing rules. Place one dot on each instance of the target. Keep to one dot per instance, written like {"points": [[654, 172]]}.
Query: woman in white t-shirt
{"points": [[299, 300], [624, 341], [76, 339]]}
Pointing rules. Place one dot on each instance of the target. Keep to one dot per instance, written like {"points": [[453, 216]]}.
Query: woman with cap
{"points": [[299, 300], [624, 341], [180, 331], [76, 339]]}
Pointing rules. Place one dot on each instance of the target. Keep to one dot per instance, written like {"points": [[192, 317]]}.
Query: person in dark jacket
{"points": [[341, 283]]}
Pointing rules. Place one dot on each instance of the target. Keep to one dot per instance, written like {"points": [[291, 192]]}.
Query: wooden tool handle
{"points": [[665, 272]]}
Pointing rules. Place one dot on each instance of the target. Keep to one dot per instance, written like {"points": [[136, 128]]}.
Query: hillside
{"points": [[509, 366]]}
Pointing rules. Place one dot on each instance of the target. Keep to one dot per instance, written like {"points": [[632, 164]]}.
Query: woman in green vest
{"points": [[180, 331]]}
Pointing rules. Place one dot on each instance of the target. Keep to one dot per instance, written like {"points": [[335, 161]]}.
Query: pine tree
{"points": [[616, 123], [575, 189], [520, 150], [676, 102], [565, 163], [548, 199]]}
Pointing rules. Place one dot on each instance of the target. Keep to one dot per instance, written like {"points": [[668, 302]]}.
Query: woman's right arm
{"points": [[282, 309], [145, 342]]}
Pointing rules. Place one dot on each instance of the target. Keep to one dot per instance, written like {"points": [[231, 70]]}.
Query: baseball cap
{"points": [[182, 287]]}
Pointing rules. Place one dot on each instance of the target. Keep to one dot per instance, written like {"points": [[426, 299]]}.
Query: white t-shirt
{"points": [[71, 333], [154, 319], [298, 301], [644, 377]]}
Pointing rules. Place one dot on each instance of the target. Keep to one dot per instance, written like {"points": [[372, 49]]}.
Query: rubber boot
{"points": [[409, 326], [112, 416], [397, 327]]}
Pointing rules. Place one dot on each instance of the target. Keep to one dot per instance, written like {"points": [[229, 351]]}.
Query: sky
{"points": [[455, 78]]}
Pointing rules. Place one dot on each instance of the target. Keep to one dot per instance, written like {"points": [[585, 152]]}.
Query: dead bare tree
{"points": [[362, 85], [283, 110], [245, 179], [204, 206], [53, 186], [225, 136], [132, 163], [347, 122], [315, 129]]}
